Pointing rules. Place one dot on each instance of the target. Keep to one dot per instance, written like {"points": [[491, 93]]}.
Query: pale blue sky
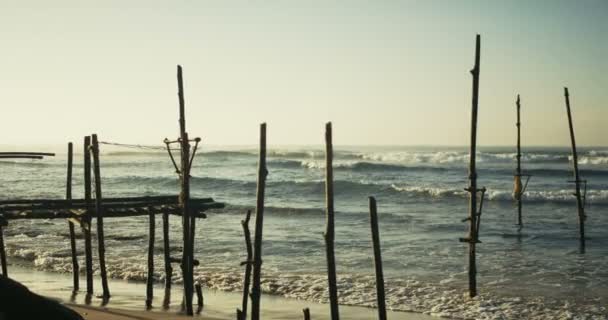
{"points": [[385, 72]]}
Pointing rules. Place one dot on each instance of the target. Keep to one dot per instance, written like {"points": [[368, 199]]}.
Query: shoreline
{"points": [[128, 301]]}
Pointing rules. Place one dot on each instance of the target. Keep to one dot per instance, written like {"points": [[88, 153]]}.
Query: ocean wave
{"points": [[598, 197], [443, 299]]}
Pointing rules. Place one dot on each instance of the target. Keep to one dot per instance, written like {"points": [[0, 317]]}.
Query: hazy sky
{"points": [[385, 72]]}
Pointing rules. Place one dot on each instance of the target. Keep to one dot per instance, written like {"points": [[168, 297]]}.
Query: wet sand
{"points": [[128, 301]]}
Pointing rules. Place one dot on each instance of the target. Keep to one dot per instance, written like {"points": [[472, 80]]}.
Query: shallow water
{"points": [[536, 273]]}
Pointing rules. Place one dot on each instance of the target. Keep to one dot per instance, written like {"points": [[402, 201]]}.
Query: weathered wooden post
{"points": [[86, 221], [184, 198], [259, 224], [580, 201], [68, 196], [518, 187], [472, 237], [150, 278], [381, 301], [167, 256], [306, 312], [247, 277], [518, 184], [101, 248], [329, 224], [199, 296]]}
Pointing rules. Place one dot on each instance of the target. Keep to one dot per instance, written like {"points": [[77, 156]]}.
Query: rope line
{"points": [[135, 146]]}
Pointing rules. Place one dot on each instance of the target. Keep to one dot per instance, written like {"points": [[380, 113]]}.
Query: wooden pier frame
{"points": [[329, 224], [256, 290], [580, 198]]}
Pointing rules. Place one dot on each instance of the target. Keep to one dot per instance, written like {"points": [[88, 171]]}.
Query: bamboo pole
{"points": [[472, 189], [329, 224], [259, 224], [247, 276], [185, 198], [381, 300], [150, 278], [167, 255], [101, 248], [580, 203], [87, 219], [68, 196]]}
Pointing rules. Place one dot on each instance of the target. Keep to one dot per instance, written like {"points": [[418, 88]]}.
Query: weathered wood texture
{"points": [[329, 224], [472, 189], [259, 224], [580, 202], [184, 198], [68, 197], [381, 300], [86, 221], [101, 247], [248, 266], [167, 256], [150, 278]]}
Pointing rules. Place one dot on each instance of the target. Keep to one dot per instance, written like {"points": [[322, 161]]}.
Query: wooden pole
{"points": [[259, 224], [247, 276], [472, 189], [3, 254], [518, 170], [329, 224], [377, 259], [68, 196], [87, 219], [199, 296], [167, 255], [101, 248], [577, 179], [185, 198], [150, 279], [306, 312]]}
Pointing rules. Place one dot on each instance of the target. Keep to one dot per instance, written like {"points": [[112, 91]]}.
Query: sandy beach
{"points": [[128, 298]]}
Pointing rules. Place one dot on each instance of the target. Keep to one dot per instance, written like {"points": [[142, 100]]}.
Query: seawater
{"points": [[536, 273]]}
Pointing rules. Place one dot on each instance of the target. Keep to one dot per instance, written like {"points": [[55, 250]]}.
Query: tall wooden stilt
{"points": [[377, 259], [248, 266], [329, 224], [473, 237], [68, 196], [259, 224], [518, 184], [187, 258], [167, 256], [87, 219], [101, 248], [150, 278], [580, 201]]}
